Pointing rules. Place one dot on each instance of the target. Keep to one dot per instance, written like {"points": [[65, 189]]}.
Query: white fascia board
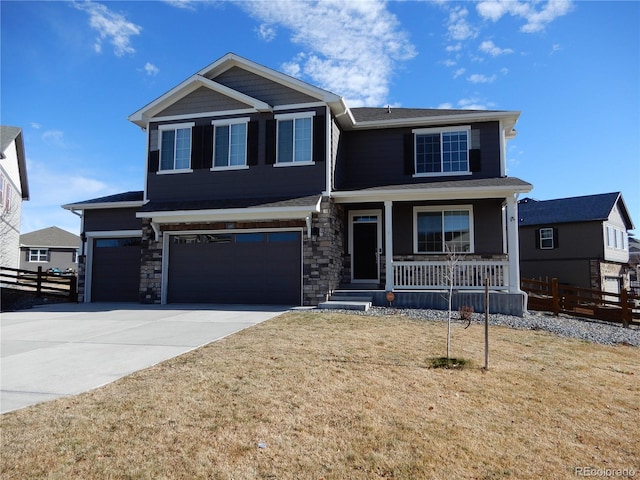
{"points": [[509, 119], [428, 194], [144, 115], [231, 214], [50, 247], [97, 206], [231, 60]]}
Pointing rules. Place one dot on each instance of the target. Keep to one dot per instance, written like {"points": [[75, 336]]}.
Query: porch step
{"points": [[350, 298], [345, 305]]}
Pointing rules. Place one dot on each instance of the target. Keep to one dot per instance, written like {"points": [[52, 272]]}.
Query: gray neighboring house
{"points": [[50, 247], [14, 189], [261, 188], [581, 241]]}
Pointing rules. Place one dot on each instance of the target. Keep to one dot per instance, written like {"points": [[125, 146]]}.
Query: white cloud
{"points": [[458, 26], [266, 32], [151, 69], [489, 47], [480, 78], [536, 14], [350, 48], [35, 125], [474, 104], [185, 4], [454, 48], [459, 72], [55, 138], [111, 26], [449, 63]]}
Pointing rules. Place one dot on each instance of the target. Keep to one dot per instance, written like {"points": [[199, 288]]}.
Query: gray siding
{"points": [[261, 88], [256, 181], [111, 219], [568, 272], [61, 258], [377, 157], [203, 100]]}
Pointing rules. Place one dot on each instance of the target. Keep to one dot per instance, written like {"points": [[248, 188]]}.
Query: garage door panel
{"points": [[244, 268], [115, 273]]}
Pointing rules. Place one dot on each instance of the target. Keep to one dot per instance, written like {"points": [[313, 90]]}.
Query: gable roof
{"points": [[50, 237], [7, 136], [206, 78], [587, 208]]}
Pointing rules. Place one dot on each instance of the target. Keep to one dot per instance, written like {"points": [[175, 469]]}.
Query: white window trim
{"points": [[427, 131], [552, 238], [174, 126], [46, 255], [293, 116], [227, 122], [442, 208]]}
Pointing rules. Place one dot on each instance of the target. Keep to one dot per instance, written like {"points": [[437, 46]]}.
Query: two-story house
{"points": [[261, 188], [14, 189], [581, 241]]}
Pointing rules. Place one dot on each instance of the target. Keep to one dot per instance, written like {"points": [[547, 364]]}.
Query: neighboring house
{"points": [[581, 241], [634, 265], [261, 188], [14, 188], [49, 248]]}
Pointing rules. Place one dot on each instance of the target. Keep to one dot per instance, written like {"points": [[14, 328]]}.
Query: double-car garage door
{"points": [[257, 267]]}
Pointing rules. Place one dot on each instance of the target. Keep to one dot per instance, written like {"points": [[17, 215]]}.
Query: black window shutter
{"points": [[474, 160], [270, 143], [154, 161], [207, 146], [319, 138], [252, 143], [556, 242], [409, 160], [537, 232], [196, 147]]}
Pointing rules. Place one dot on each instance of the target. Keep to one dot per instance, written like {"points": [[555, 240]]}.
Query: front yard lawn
{"points": [[314, 395]]}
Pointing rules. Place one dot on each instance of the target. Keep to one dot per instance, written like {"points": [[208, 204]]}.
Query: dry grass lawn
{"points": [[330, 396]]}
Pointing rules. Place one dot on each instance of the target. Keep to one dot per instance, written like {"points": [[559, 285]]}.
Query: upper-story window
{"points": [[295, 139], [175, 147], [38, 255], [442, 151], [443, 229], [230, 144]]}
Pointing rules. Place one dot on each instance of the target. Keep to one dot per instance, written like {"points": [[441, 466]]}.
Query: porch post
{"points": [[388, 245], [513, 248]]}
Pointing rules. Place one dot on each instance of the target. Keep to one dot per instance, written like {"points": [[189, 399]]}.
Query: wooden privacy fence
{"points": [[554, 297], [40, 282]]}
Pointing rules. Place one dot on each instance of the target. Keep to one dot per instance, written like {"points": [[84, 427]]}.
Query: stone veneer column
{"points": [[150, 265], [322, 253]]}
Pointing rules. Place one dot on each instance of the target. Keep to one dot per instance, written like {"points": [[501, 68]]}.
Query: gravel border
{"points": [[587, 329]]}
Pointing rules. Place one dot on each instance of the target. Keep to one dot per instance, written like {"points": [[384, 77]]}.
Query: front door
{"points": [[365, 246]]}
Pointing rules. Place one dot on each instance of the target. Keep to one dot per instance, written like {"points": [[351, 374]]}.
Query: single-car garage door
{"points": [[115, 271], [256, 268]]}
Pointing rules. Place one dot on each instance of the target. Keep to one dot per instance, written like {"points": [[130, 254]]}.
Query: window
{"points": [[442, 151], [38, 255], [439, 230], [546, 238], [295, 139], [230, 144], [175, 147]]}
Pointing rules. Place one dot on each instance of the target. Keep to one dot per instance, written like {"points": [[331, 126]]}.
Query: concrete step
{"points": [[345, 305], [350, 298]]}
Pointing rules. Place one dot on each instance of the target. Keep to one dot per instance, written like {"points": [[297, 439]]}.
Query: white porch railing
{"points": [[467, 274]]}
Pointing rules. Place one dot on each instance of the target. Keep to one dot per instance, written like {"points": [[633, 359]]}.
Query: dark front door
{"points": [[365, 251]]}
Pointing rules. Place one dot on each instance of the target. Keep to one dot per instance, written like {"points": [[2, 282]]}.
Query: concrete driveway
{"points": [[65, 349]]}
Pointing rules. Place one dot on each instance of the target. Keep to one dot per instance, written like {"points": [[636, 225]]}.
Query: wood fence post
{"points": [[624, 305], [555, 297], [39, 282], [486, 323]]}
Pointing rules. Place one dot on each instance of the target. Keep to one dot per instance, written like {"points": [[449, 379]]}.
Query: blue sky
{"points": [[71, 73]]}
